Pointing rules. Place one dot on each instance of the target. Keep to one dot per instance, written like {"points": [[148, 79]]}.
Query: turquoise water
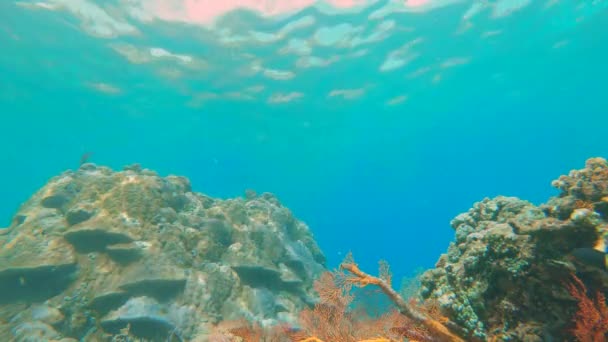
{"points": [[375, 125]]}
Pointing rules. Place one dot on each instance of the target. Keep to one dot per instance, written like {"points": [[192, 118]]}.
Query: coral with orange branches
{"points": [[439, 330], [332, 320], [591, 319]]}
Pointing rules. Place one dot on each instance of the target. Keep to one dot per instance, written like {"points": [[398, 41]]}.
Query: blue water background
{"points": [[380, 180]]}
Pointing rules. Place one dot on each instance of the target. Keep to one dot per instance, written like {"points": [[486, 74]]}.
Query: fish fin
{"points": [[600, 245]]}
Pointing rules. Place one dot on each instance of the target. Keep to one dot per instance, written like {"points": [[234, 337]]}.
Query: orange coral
{"points": [[332, 320], [591, 319], [581, 204], [436, 328]]}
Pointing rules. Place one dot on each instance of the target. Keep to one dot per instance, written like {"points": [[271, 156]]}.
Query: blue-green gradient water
{"points": [[375, 126]]}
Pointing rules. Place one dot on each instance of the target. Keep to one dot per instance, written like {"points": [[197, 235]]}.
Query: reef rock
{"points": [[504, 277], [96, 255]]}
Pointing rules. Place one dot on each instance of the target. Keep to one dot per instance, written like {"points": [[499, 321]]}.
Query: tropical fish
{"points": [[84, 158], [592, 256]]}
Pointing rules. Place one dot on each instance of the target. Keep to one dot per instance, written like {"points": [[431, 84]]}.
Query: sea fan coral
{"points": [[331, 319], [591, 319], [437, 329]]}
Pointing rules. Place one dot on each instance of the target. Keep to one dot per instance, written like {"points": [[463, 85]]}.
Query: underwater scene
{"points": [[303, 170]]}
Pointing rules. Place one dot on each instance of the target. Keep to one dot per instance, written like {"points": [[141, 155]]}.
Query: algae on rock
{"points": [[96, 251], [504, 276]]}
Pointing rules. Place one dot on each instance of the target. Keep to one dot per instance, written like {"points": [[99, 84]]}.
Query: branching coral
{"points": [[591, 319], [437, 329], [332, 320]]}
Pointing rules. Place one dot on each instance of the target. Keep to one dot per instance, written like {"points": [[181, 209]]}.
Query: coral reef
{"points": [[96, 253], [99, 255], [503, 276], [334, 318]]}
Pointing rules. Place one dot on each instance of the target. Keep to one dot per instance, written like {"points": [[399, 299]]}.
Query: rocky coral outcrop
{"points": [[504, 276], [96, 251]]}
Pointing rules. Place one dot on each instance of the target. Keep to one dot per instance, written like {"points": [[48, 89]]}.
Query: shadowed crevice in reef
{"points": [[145, 318], [35, 284], [86, 240], [124, 253], [161, 289], [259, 276], [56, 200], [109, 301]]}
